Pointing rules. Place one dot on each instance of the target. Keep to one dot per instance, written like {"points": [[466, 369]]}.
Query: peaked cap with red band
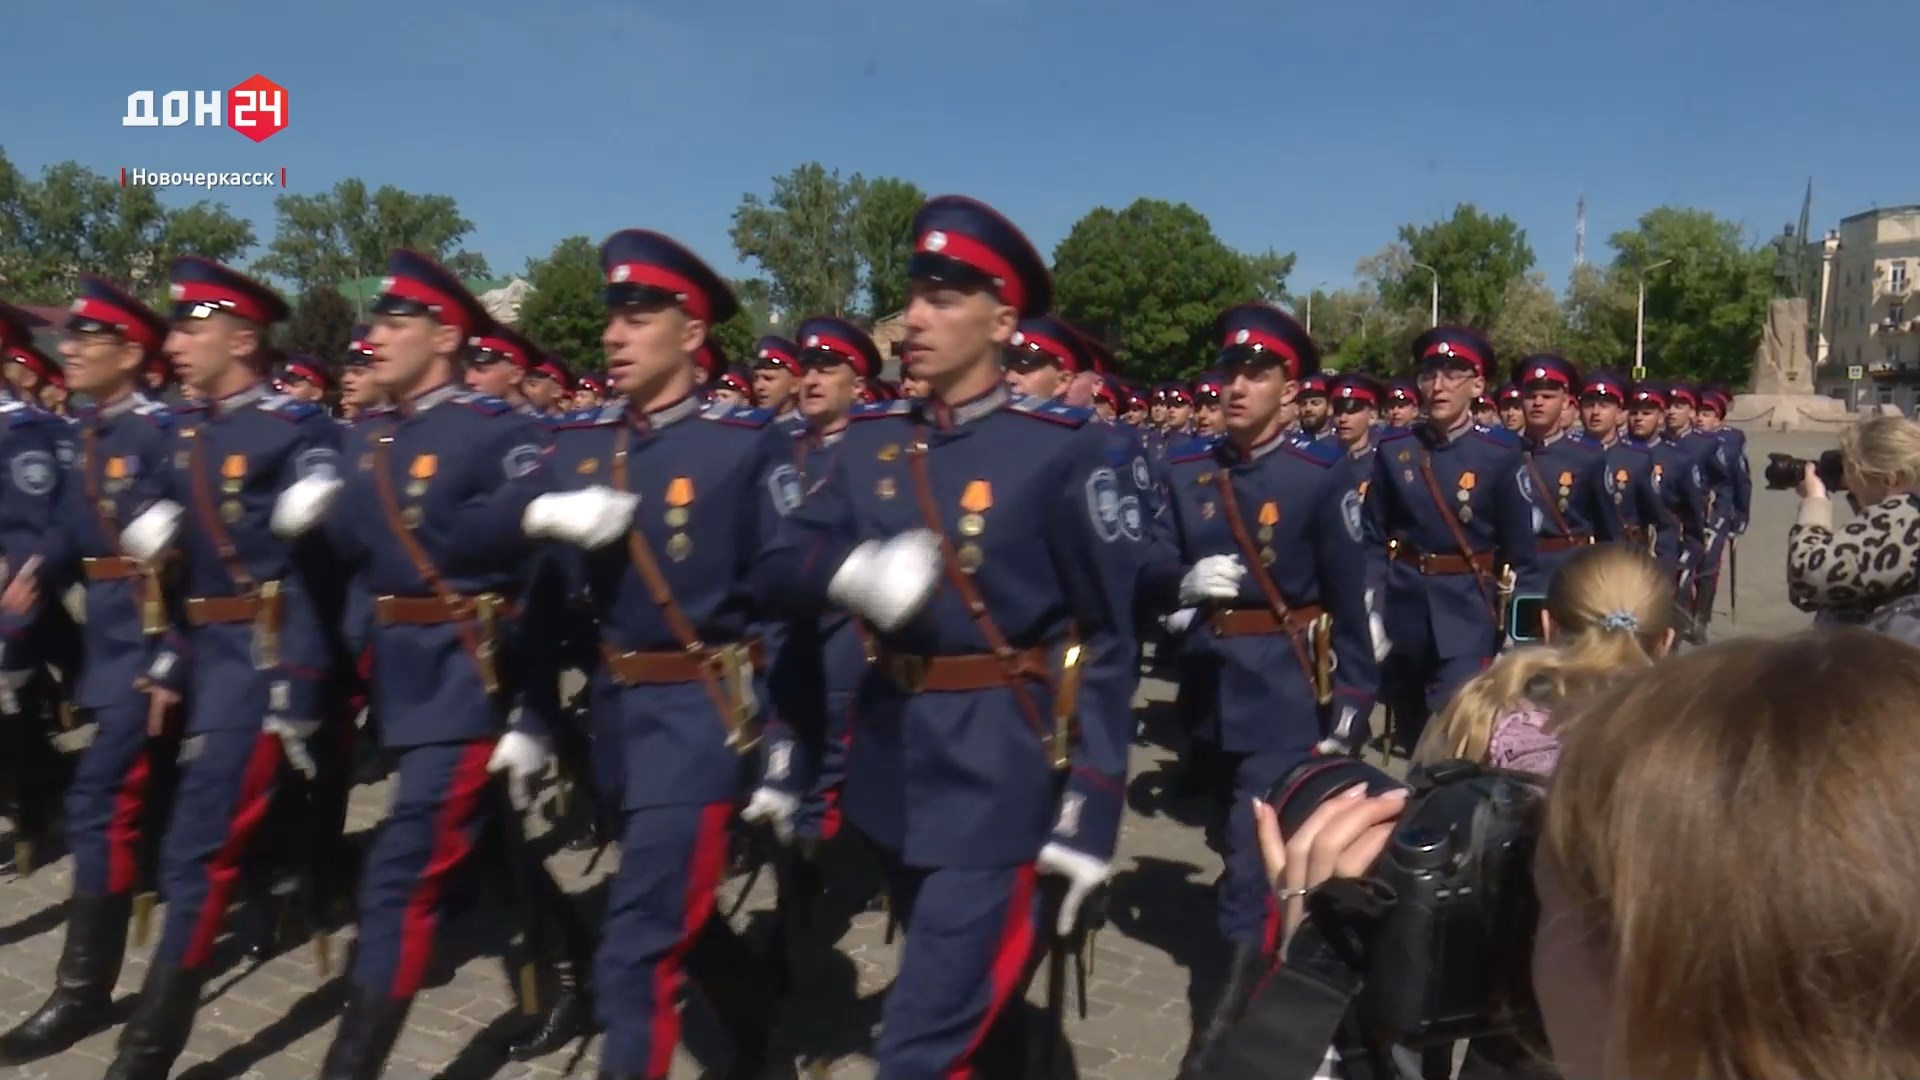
{"points": [[1679, 391], [1402, 391], [18, 324], [1512, 393], [1648, 392], [1318, 384], [553, 366], [735, 380], [200, 287], [1108, 393], [1356, 386], [645, 267], [776, 351], [416, 285], [1136, 400], [1547, 369], [1173, 393], [102, 305], [359, 353], [592, 381], [1208, 384], [307, 369], [29, 356], [1605, 384], [1051, 337], [1250, 333], [506, 343], [963, 241], [1443, 345], [1715, 399], [826, 340]]}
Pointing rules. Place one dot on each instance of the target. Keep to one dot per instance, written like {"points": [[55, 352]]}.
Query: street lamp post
{"points": [[1640, 323], [1310, 293], [1435, 314]]}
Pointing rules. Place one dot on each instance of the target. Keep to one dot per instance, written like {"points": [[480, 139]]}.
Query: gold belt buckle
{"points": [[266, 627], [909, 672], [485, 613]]}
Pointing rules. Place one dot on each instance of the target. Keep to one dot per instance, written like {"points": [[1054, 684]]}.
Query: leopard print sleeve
{"points": [[1873, 559]]}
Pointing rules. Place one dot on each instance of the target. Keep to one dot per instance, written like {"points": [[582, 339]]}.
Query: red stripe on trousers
{"points": [[123, 828], [703, 878], [451, 844], [1009, 964], [249, 810]]}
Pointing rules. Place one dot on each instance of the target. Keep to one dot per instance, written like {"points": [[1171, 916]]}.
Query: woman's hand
{"points": [[1811, 486], [1342, 838]]}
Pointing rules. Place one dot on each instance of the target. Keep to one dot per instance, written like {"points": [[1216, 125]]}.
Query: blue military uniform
{"points": [[1567, 476], [1676, 481], [680, 645], [1318, 386], [1709, 453], [956, 771], [1450, 512], [1645, 520]]}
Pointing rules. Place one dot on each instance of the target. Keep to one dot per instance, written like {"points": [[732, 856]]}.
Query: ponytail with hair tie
{"points": [[1620, 622]]}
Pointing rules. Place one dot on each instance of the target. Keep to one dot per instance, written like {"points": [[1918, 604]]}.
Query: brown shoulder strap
{"points": [[1553, 508], [963, 585], [1249, 554], [102, 510], [1453, 526], [645, 564], [210, 518]]}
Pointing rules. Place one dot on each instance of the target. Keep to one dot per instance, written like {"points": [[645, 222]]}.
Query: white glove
{"points": [[1215, 577], [591, 518], [1083, 872], [1377, 628], [10, 684], [303, 505], [522, 757], [293, 736], [775, 808], [888, 582], [148, 536], [1178, 622]]}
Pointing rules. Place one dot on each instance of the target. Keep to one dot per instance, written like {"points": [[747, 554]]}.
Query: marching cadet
{"points": [[1716, 480], [1485, 412], [305, 378], [1715, 402], [499, 365], [1645, 520], [124, 773], [250, 652], [590, 390], [1209, 411], [34, 376], [1676, 479], [1106, 402], [1314, 405], [733, 387], [430, 518], [1263, 535], [1513, 408], [969, 772], [359, 394], [1567, 477], [548, 385], [1179, 424], [1450, 505], [1043, 357], [776, 378], [1403, 403], [1356, 411], [679, 647], [1135, 410]]}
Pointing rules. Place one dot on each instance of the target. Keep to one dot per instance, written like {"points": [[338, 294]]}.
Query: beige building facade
{"points": [[1869, 326]]}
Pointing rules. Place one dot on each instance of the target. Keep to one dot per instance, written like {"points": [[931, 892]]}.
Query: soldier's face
{"points": [[1403, 413], [405, 348], [774, 386], [1104, 409], [98, 363], [494, 376], [357, 388], [1679, 417], [1709, 422], [912, 387], [1210, 417], [206, 350], [648, 344], [1354, 421], [1039, 380], [302, 390], [543, 391], [1601, 415], [1645, 421], [1315, 411], [1513, 417], [827, 392], [1179, 414], [950, 330], [1158, 412], [1544, 406], [1258, 397], [1135, 416], [1450, 391], [727, 395]]}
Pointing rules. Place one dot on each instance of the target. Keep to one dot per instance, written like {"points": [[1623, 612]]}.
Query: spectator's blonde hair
{"points": [[1736, 828], [1884, 450], [1612, 610]]}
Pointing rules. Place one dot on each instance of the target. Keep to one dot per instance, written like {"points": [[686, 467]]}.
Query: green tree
{"points": [[72, 220], [346, 233], [565, 311], [1268, 272], [737, 335], [1531, 321], [883, 213], [1476, 256], [1599, 317], [1706, 308], [321, 324], [1151, 278], [802, 236]]}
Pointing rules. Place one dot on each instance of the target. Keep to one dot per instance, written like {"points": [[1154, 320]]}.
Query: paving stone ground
{"points": [[273, 1022]]}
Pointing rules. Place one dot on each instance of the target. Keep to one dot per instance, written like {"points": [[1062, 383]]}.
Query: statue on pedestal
{"points": [[1789, 252]]}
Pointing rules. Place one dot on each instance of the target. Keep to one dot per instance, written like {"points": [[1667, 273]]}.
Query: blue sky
{"points": [[1312, 129]]}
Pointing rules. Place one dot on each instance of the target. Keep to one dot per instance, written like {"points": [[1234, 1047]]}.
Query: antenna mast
{"points": [[1580, 232]]}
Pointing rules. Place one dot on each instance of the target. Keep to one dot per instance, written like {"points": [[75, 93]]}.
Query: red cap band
{"points": [[1454, 348], [308, 372], [451, 313], [965, 249], [38, 364], [1052, 348], [506, 348], [200, 292], [1543, 373], [101, 311], [1358, 393], [841, 348], [1268, 342], [650, 276]]}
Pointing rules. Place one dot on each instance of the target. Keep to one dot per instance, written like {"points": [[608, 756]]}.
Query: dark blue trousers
{"points": [[1247, 913], [440, 807], [228, 780], [122, 780], [973, 940]]}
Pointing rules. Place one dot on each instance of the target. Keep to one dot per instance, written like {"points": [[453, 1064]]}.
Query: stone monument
{"points": [[1782, 396]]}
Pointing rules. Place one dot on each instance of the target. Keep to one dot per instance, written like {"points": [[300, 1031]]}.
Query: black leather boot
{"points": [[566, 1014], [1247, 965], [82, 982], [368, 1028], [152, 1040], [737, 982]]}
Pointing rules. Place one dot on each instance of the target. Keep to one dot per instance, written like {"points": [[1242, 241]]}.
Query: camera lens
{"points": [[1296, 797]]}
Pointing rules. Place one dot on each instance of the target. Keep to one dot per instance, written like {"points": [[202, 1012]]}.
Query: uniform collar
{"points": [[1365, 448], [1451, 435], [235, 402], [1258, 450], [828, 438], [120, 406], [946, 416], [421, 402], [1542, 444], [665, 416]]}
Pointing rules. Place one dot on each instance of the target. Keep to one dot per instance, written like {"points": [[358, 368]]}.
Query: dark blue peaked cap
{"points": [[1609, 383], [1359, 386], [1053, 337], [1547, 368], [645, 267], [833, 340], [417, 285], [102, 304], [201, 287], [1262, 333], [963, 241], [1445, 344], [776, 350]]}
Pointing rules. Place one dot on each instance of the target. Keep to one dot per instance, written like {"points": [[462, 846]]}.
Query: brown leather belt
{"points": [[111, 568], [678, 666], [217, 610], [432, 610], [959, 674], [1554, 545], [1245, 622], [1428, 563]]}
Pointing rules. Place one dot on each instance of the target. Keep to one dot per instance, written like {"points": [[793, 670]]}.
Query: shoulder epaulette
{"points": [[189, 411], [881, 408], [1390, 433], [745, 416], [1192, 450], [291, 409], [378, 412], [1498, 436], [484, 404], [1048, 409], [1319, 451]]}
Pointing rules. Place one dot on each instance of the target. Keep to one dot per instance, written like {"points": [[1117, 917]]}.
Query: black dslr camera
{"points": [[1441, 932], [1784, 471]]}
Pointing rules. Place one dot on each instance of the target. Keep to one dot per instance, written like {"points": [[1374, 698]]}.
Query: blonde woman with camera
{"points": [[1875, 558]]}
